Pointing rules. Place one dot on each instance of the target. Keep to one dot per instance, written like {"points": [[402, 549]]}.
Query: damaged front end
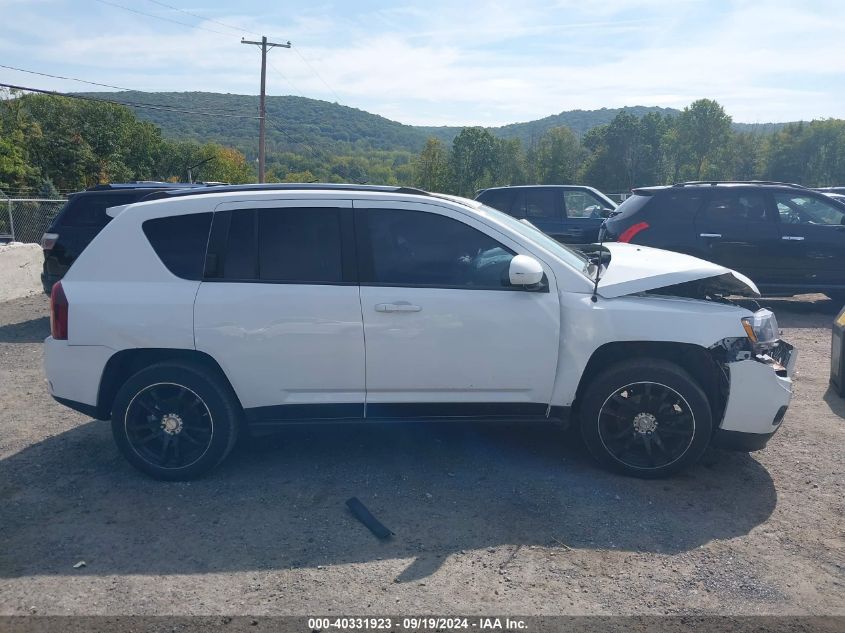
{"points": [[756, 383]]}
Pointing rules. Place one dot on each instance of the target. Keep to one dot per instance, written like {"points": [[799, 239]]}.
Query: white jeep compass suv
{"points": [[199, 314]]}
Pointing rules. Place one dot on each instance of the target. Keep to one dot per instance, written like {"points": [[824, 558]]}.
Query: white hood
{"points": [[634, 269]]}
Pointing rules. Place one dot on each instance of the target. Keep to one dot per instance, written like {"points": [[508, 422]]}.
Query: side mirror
{"points": [[606, 213], [525, 271]]}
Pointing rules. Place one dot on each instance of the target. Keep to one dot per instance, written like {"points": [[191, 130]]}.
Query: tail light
{"points": [[58, 312], [629, 233], [48, 241]]}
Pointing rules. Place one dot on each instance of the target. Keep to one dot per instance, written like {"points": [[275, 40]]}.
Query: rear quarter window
{"points": [[89, 211], [180, 242], [631, 205]]}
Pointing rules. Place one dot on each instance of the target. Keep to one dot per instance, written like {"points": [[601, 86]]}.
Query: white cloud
{"points": [[487, 63]]}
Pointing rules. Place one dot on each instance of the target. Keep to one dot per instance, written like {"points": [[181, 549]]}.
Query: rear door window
{"points": [[240, 261], [300, 245], [540, 204], [726, 208], [500, 199], [180, 242]]}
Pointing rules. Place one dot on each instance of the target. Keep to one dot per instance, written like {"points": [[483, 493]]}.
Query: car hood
{"points": [[634, 269]]}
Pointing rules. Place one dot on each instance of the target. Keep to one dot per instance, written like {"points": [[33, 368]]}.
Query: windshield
{"points": [[575, 259]]}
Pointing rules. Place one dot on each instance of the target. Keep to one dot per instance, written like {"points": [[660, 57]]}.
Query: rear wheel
{"points": [[175, 421], [647, 418]]}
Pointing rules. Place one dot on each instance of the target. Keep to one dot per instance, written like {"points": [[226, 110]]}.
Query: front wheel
{"points": [[175, 421], [646, 417]]}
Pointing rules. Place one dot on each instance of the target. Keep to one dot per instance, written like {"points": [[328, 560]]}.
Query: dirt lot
{"points": [[487, 519]]}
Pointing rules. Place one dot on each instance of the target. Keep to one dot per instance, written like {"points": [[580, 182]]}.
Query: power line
{"points": [[202, 17], [228, 26], [285, 77], [158, 17], [92, 83], [242, 30], [95, 83], [132, 104], [319, 76], [316, 154]]}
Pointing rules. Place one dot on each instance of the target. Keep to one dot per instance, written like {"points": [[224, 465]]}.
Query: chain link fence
{"points": [[26, 219]]}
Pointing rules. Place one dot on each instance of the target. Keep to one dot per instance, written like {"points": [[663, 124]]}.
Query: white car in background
{"points": [[193, 316]]}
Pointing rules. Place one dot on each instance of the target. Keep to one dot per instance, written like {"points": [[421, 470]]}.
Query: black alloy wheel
{"points": [[176, 420], [646, 425], [169, 425], [645, 417]]}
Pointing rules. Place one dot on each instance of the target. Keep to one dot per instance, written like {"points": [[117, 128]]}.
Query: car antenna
{"points": [[602, 231]]}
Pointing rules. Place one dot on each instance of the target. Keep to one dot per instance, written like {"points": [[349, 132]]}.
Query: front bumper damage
{"points": [[759, 392]]}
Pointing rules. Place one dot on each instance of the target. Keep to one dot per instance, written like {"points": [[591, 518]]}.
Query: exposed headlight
{"points": [[762, 329]]}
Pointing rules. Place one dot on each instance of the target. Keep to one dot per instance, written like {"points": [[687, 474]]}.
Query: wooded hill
{"points": [[295, 123]]}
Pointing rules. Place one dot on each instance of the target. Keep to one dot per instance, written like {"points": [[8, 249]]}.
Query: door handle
{"points": [[793, 238], [711, 235], [401, 306]]}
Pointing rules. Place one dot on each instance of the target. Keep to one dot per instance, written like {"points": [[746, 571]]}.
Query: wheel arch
{"points": [[696, 360], [125, 363]]}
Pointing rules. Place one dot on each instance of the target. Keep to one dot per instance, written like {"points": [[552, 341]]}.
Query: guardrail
{"points": [[27, 219]]}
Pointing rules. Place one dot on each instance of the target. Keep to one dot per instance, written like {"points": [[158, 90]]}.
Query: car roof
{"points": [[238, 193], [308, 186], [480, 191], [708, 184], [148, 184]]}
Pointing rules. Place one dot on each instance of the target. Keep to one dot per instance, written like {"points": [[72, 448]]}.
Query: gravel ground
{"points": [[487, 519]]}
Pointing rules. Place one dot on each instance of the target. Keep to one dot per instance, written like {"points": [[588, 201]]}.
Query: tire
{"points": [[645, 418], [175, 421]]}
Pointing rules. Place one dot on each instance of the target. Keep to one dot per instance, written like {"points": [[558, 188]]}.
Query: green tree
{"points": [[703, 129], [807, 153], [16, 171], [509, 167], [209, 162], [471, 160], [743, 156], [431, 167], [557, 157]]}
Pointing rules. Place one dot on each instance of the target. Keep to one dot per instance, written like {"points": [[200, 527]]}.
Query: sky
{"points": [[449, 63]]}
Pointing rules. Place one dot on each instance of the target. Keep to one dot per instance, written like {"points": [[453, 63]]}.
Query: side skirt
{"points": [[266, 419]]}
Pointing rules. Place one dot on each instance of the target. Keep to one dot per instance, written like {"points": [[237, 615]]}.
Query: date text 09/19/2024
{"points": [[421, 623]]}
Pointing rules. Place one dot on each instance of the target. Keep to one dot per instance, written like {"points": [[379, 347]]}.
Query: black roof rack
{"points": [[147, 184], [292, 186], [737, 182]]}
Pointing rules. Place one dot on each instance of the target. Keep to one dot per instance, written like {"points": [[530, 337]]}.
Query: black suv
{"points": [[83, 216], [571, 214], [787, 238]]}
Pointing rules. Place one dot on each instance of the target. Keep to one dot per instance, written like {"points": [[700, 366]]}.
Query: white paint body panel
{"points": [[281, 343], [636, 269], [757, 394], [462, 345], [284, 343], [73, 371]]}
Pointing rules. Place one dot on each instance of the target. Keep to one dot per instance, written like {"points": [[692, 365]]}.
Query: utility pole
{"points": [[264, 44]]}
